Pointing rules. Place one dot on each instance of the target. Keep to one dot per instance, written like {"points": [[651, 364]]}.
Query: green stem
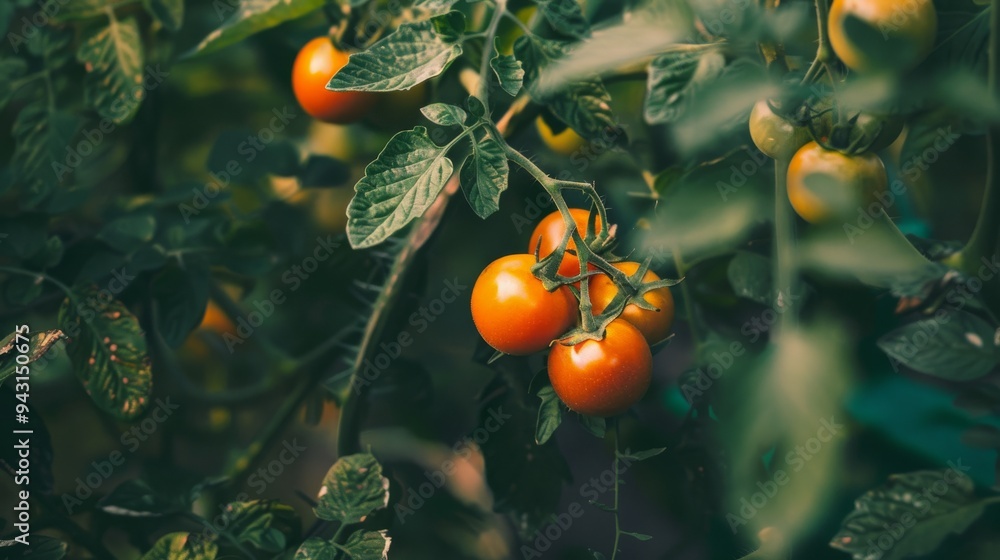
{"points": [[983, 243], [21, 272], [484, 67], [223, 533], [689, 309], [785, 266]]}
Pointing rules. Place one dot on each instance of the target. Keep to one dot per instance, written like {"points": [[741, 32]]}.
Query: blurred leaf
{"points": [[983, 436], [397, 187], [876, 255], [585, 106], [323, 171], [565, 16], [643, 455], [936, 131], [789, 399], [134, 498], [40, 452], [108, 351], [315, 548], [750, 276], [676, 76], [42, 137], [353, 489], [113, 58], [250, 17], [507, 68], [642, 35], [484, 175], [128, 233], [11, 68], [713, 206], [168, 12], [549, 414], [38, 344], [638, 536], [181, 295], [183, 546], [954, 345], [42, 547], [925, 516], [412, 54]]}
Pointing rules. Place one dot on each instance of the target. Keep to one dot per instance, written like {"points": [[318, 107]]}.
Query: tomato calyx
{"points": [[631, 292]]}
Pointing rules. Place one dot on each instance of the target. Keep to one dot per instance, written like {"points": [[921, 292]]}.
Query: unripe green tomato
{"points": [[773, 135]]}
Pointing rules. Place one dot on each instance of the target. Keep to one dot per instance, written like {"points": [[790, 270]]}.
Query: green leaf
{"points": [[584, 106], [83, 9], [108, 351], [675, 77], [643, 455], [42, 548], [180, 292], [265, 525], [315, 548], [594, 424], [11, 68], [398, 187], [182, 546], [135, 498], [368, 545], [412, 54], [129, 233], [445, 114], [750, 276], [42, 137], [484, 175], [250, 17], [549, 414], [113, 58], [509, 71], [38, 344], [638, 536], [565, 16], [926, 505], [953, 344], [168, 12], [353, 489]]}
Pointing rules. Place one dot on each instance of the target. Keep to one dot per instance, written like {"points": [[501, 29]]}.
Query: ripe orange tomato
{"points": [[566, 142], [903, 32], [514, 313], [825, 185], [315, 64], [602, 377], [551, 230], [654, 325]]}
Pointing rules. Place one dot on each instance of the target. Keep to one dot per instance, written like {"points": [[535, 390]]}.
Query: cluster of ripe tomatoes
{"points": [[832, 166], [516, 315]]}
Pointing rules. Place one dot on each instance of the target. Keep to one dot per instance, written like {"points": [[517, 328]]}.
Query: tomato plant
{"points": [[480, 280]]}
